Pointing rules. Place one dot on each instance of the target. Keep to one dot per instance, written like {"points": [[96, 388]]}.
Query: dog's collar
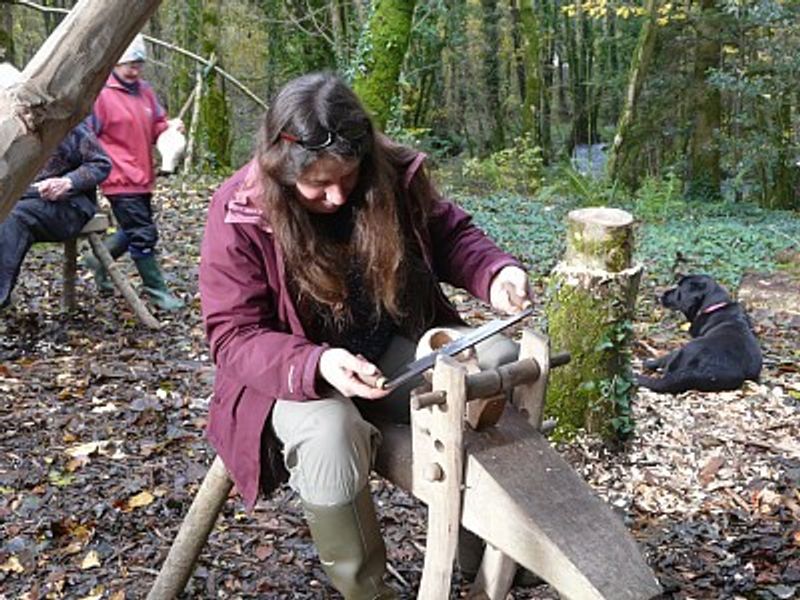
{"points": [[714, 307]]}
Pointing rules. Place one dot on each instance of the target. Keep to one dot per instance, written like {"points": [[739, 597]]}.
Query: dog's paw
{"points": [[652, 364]]}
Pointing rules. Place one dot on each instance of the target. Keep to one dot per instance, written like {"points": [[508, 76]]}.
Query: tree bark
{"points": [[215, 122], [640, 63], [590, 309], [7, 36], [376, 81], [491, 73], [532, 90], [59, 86], [704, 156]]}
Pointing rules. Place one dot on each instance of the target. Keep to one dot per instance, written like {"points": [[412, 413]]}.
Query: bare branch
{"points": [[158, 42]]}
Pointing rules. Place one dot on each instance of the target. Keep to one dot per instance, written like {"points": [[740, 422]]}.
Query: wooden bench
{"points": [[504, 483], [92, 231]]}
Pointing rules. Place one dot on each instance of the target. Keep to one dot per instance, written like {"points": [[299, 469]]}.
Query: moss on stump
{"points": [[590, 301]]}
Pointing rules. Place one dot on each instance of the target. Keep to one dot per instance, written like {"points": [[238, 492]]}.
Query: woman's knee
{"points": [[328, 449]]}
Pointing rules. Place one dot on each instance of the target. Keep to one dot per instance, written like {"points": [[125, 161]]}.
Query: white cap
{"points": [[9, 75], [135, 52]]}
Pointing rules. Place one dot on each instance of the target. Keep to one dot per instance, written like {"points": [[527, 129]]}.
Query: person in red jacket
{"points": [[320, 264], [127, 119]]}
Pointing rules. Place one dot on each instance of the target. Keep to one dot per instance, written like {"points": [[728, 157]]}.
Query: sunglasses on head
{"points": [[351, 137], [307, 144]]}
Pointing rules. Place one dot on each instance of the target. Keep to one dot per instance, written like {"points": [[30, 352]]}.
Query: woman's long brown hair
{"points": [[317, 116]]}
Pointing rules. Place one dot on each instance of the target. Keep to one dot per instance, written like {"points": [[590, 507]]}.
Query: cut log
{"points": [[590, 306], [59, 86]]}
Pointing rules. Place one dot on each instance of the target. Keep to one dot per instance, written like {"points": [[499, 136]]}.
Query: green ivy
{"points": [[673, 236]]}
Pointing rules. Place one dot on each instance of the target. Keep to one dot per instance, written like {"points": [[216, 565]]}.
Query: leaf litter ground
{"points": [[102, 450]]}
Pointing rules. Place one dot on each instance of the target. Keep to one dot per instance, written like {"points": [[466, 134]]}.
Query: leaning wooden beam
{"points": [[194, 531], [121, 282], [546, 518], [59, 86]]}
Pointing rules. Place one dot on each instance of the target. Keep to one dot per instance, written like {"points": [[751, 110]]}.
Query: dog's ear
{"points": [[697, 285]]}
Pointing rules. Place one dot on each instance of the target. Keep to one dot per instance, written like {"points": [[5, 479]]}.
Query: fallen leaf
{"points": [[76, 463], [13, 565], [91, 560], [95, 594], [59, 479], [86, 449], [263, 552], [141, 499], [710, 469]]}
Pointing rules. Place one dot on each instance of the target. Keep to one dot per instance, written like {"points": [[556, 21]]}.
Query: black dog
{"points": [[724, 351]]}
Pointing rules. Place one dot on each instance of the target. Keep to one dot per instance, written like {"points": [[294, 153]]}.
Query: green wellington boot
{"points": [[117, 244], [154, 285], [350, 547]]}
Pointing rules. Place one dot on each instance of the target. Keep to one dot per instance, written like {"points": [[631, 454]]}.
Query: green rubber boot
{"points": [[350, 547], [154, 285], [117, 244]]}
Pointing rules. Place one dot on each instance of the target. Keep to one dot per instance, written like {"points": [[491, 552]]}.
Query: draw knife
{"points": [[483, 332]]}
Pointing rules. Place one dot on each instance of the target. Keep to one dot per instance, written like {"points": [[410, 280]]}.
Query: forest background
{"points": [[697, 98], [685, 114]]}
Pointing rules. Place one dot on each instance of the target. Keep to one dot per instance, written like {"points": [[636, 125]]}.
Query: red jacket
{"points": [[256, 338], [127, 123]]}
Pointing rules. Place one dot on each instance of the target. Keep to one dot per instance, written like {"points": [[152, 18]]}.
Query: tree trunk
{"points": [[214, 127], [491, 73], [531, 52], [387, 36], [640, 64], [7, 36], [59, 86], [703, 181], [784, 179], [589, 310], [550, 24]]}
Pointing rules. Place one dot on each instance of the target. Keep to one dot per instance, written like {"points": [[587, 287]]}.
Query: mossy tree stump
{"points": [[590, 303]]}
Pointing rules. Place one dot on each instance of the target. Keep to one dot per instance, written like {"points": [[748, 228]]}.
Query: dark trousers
{"points": [[36, 220], [134, 215]]}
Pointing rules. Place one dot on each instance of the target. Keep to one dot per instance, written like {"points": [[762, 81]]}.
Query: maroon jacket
{"points": [[256, 338]]}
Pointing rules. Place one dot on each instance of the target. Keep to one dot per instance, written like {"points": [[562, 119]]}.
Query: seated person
{"points": [[59, 202], [320, 265]]}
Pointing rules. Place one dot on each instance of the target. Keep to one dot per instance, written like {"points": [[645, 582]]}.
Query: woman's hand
{"points": [[351, 375], [509, 292]]}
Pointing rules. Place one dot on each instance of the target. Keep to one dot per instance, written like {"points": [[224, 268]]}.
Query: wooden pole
{"points": [[122, 283], [194, 532], [198, 96], [59, 86]]}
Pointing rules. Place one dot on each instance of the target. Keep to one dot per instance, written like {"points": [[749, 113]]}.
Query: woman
{"points": [[321, 262]]}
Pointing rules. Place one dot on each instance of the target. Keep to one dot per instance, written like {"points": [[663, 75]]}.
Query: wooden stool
{"points": [[96, 226]]}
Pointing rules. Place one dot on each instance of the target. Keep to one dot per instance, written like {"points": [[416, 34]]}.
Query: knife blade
{"points": [[426, 362]]}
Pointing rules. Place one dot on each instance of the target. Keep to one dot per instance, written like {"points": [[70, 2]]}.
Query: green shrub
{"points": [[658, 199], [518, 169]]}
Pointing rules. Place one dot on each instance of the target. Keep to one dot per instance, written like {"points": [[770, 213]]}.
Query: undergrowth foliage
{"points": [[673, 237], [519, 167]]}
